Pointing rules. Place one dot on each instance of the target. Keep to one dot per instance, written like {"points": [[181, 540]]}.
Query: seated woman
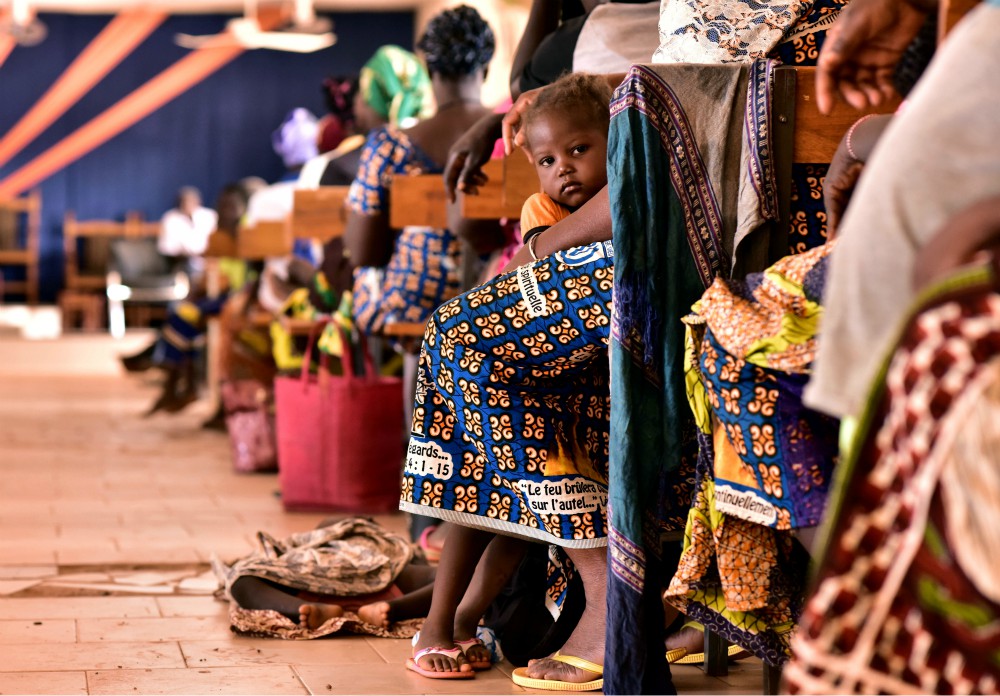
{"points": [[906, 598], [509, 430], [181, 338], [406, 276]]}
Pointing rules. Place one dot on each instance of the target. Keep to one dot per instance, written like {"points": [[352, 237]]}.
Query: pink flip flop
{"points": [[465, 645], [453, 653]]}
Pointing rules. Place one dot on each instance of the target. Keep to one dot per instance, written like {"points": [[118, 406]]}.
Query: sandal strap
{"points": [[452, 653], [468, 643], [579, 663]]}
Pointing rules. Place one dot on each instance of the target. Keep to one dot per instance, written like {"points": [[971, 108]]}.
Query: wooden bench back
{"points": [[267, 239], [418, 200], [320, 213]]}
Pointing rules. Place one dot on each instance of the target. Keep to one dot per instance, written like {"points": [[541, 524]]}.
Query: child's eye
{"points": [[580, 149], [545, 162]]}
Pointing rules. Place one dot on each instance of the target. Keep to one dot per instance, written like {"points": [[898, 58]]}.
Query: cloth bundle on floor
{"points": [[350, 558]]}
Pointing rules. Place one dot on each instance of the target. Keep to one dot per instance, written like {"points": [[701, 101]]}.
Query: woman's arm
{"points": [[847, 164], [970, 233], [542, 21], [368, 239], [591, 223], [482, 236]]}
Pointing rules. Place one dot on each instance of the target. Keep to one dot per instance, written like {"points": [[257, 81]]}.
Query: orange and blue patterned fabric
{"points": [[510, 425], [752, 365], [424, 270], [765, 462]]}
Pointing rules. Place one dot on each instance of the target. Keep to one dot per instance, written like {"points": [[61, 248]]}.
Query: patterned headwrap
{"points": [[295, 139], [396, 85]]}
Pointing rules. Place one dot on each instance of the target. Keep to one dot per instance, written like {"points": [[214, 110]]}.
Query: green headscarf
{"points": [[396, 85]]}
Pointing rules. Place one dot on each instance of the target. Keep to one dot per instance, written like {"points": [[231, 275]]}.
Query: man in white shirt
{"points": [[184, 230]]}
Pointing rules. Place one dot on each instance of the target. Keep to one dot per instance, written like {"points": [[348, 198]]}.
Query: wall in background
{"points": [[218, 131]]}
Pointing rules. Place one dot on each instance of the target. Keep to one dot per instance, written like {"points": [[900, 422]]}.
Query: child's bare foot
{"points": [[312, 616], [376, 614]]}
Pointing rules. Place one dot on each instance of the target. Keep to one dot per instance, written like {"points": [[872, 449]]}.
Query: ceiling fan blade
{"points": [[288, 41]]}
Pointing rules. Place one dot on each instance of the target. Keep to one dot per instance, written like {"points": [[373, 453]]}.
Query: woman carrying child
{"points": [[510, 428]]}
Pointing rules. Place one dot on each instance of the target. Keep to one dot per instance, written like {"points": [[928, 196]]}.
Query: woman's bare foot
{"points": [[312, 616], [376, 614], [690, 639], [587, 640]]}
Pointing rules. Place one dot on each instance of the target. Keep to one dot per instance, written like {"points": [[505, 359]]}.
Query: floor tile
{"points": [[192, 606], [142, 555], [36, 609], [43, 683], [96, 656], [47, 631], [239, 651], [12, 572], [392, 650], [150, 630], [276, 679], [396, 679], [9, 587]]}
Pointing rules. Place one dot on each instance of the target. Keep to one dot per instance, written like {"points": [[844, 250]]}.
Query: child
{"points": [[566, 139]]}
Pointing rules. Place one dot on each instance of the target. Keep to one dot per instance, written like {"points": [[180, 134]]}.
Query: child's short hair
{"points": [[582, 97]]}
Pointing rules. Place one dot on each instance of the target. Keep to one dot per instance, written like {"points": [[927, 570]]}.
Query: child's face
{"points": [[570, 158]]}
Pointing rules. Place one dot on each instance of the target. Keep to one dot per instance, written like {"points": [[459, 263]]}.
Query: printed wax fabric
{"points": [[906, 598], [765, 461], [424, 270], [510, 425], [689, 178]]}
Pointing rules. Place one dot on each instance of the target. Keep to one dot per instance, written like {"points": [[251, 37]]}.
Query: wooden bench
{"points": [[19, 239]]}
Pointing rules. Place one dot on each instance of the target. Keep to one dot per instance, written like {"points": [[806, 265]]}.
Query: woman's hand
{"points": [[513, 135], [846, 166], [463, 170], [862, 49], [969, 236]]}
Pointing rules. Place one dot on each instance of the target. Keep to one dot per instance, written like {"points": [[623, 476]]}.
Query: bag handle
{"points": [[314, 332], [346, 361]]}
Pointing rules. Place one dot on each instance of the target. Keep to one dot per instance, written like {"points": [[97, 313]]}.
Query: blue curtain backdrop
{"points": [[218, 131]]}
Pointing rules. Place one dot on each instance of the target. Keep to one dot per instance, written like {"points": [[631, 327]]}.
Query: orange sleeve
{"points": [[540, 211]]}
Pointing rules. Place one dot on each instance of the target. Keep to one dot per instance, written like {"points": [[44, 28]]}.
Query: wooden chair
{"points": [[19, 230], [86, 252]]}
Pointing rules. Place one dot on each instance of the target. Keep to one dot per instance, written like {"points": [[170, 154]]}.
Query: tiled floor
{"points": [[88, 487]]}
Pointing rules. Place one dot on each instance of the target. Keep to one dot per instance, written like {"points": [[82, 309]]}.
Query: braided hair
{"points": [[457, 42]]}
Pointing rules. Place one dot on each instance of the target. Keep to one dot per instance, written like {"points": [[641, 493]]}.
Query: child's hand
{"points": [[512, 135]]}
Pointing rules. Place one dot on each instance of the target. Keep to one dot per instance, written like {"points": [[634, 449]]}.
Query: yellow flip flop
{"points": [[676, 654], [521, 677], [699, 657]]}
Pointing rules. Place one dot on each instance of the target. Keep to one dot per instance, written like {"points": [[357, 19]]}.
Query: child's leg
{"points": [[459, 558], [254, 593], [417, 581], [498, 564]]}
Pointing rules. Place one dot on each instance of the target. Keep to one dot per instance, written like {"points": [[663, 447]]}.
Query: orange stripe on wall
{"points": [[116, 41], [6, 46], [170, 83]]}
